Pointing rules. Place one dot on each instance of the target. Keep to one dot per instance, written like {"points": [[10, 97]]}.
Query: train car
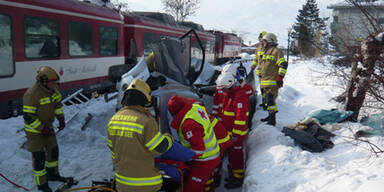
{"points": [[227, 46], [142, 29], [79, 40]]}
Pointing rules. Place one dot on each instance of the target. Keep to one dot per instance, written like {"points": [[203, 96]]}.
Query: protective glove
{"points": [[279, 81], [46, 131], [61, 123]]}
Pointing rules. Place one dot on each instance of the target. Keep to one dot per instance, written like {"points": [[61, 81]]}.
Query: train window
{"points": [[41, 37], [149, 39], [6, 55], [108, 41], [80, 39]]}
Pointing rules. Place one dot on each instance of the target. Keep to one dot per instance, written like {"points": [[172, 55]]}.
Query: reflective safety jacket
{"points": [[218, 100], [133, 137], [40, 107], [236, 111], [196, 132], [258, 57], [271, 65]]}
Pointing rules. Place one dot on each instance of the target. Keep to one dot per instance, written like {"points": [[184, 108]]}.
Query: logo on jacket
{"points": [[189, 134], [202, 114], [196, 179], [240, 105]]}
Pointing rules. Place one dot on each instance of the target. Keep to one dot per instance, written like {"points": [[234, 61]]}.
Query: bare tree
{"points": [[181, 9]]}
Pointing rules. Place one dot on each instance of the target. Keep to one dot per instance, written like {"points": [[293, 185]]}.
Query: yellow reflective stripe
{"points": [[228, 113], [258, 71], [155, 141], [247, 114], [129, 126], [268, 82], [259, 53], [38, 174], [282, 71], [51, 164], [268, 57], [238, 173], [210, 181], [32, 127], [29, 109], [34, 124], [223, 140], [237, 122], [59, 111], [139, 181], [109, 143], [45, 100], [239, 132], [113, 155], [214, 122], [272, 108], [56, 97], [230, 133], [281, 60]]}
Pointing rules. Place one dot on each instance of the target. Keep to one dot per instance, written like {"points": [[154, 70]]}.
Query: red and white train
{"points": [[81, 41]]}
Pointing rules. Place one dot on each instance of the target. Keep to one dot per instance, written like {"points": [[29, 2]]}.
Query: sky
{"points": [[246, 17], [274, 162]]}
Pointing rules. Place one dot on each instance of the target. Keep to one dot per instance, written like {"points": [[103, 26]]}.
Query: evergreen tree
{"points": [[309, 31]]}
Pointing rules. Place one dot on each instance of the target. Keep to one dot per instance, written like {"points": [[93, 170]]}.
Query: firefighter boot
{"points": [[271, 119], [233, 183], [53, 175], [44, 187]]}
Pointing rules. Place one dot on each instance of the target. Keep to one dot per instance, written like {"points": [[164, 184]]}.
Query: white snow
{"points": [[274, 163]]}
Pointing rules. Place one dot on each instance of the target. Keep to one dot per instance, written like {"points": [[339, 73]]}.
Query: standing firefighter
{"points": [[256, 65], [134, 138], [273, 67], [196, 132], [41, 104]]}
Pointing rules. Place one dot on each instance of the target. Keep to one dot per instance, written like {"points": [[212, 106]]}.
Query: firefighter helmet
{"points": [[141, 86], [225, 80], [261, 35], [270, 38], [46, 73]]}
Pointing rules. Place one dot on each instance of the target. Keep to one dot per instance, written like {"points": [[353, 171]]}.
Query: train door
{"points": [[7, 66]]}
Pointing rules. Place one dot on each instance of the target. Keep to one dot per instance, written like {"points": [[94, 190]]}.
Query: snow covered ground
{"points": [[274, 163]]}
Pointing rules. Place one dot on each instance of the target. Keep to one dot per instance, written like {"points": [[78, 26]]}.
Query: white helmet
{"points": [[225, 80], [229, 68]]}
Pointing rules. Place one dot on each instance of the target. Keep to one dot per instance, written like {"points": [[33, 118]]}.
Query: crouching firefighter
{"points": [[41, 104], [194, 127], [134, 138]]}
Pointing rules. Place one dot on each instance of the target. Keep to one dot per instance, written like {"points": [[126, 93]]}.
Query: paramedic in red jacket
{"points": [[235, 120], [195, 131]]}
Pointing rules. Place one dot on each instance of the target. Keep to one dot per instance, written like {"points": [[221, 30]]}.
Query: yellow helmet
{"points": [[46, 73], [270, 38], [261, 35], [141, 86]]}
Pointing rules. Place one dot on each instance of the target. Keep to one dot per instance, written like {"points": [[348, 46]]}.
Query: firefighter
{"points": [[273, 68], [255, 65], [134, 138], [235, 120], [194, 127], [41, 104]]}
